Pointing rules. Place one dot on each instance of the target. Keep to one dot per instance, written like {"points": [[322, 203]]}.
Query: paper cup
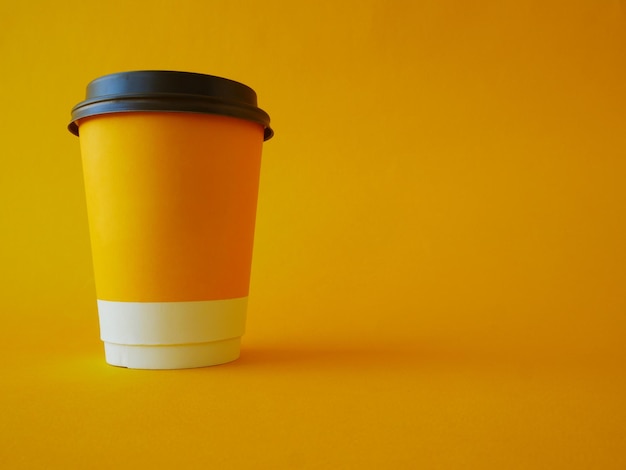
{"points": [[171, 163]]}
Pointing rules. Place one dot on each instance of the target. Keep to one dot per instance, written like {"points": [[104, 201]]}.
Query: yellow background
{"points": [[439, 267]]}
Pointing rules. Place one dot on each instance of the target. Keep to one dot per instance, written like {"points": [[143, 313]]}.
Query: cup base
{"points": [[178, 356]]}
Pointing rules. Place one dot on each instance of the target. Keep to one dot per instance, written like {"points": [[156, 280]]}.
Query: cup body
{"points": [[171, 200]]}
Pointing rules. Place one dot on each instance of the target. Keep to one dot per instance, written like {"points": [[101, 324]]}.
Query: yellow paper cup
{"points": [[171, 163]]}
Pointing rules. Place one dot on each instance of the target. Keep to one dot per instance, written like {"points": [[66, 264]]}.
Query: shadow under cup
{"points": [[171, 164]]}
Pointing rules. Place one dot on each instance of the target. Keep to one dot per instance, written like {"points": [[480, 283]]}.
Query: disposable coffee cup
{"points": [[171, 164]]}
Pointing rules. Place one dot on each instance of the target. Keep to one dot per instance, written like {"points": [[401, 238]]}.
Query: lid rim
{"points": [[268, 132]]}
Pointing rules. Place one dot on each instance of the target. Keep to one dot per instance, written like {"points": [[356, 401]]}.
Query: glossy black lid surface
{"points": [[162, 90]]}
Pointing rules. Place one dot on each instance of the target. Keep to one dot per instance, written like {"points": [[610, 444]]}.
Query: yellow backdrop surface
{"points": [[439, 269]]}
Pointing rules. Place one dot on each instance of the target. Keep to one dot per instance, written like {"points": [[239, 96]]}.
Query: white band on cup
{"points": [[162, 323]]}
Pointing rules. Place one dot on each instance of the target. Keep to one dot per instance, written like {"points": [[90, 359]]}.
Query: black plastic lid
{"points": [[162, 90]]}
